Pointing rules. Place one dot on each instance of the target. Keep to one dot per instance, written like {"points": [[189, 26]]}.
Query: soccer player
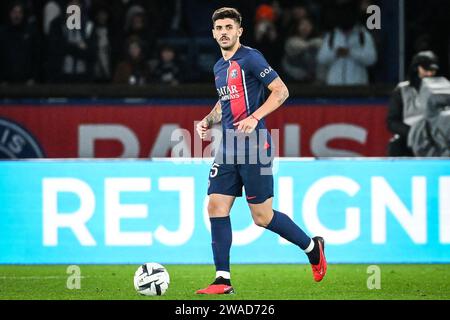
{"points": [[241, 76]]}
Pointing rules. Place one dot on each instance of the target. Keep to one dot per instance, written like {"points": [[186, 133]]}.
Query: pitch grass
{"points": [[251, 282]]}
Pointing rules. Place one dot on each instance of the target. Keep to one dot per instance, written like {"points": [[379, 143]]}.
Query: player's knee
{"points": [[217, 210], [261, 219]]}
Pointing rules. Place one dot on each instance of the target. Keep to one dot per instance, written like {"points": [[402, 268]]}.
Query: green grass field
{"points": [[251, 282]]}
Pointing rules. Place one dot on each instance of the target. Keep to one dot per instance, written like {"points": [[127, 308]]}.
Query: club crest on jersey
{"points": [[234, 74]]}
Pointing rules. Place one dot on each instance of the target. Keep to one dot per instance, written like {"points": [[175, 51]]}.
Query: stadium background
{"points": [[109, 145]]}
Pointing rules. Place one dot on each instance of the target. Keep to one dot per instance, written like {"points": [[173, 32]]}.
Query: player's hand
{"points": [[202, 128], [246, 125]]}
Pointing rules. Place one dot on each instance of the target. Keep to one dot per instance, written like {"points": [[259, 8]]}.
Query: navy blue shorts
{"points": [[228, 179]]}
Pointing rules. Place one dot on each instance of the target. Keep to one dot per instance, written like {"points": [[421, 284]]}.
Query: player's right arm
{"points": [[215, 116]]}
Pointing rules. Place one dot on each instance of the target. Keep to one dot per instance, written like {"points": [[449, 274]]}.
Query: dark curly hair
{"points": [[226, 12]]}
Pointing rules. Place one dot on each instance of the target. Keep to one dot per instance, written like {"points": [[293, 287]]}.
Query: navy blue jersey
{"points": [[240, 83]]}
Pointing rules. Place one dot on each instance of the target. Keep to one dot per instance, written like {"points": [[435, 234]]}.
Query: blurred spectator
{"points": [[299, 12], [103, 37], [404, 106], [154, 21], [51, 10], [266, 37], [291, 15], [71, 53], [348, 50], [32, 9], [137, 26], [173, 22], [134, 70], [300, 52], [19, 52], [375, 71], [166, 69]]}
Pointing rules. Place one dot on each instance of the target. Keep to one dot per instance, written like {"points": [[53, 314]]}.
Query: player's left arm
{"points": [[278, 95]]}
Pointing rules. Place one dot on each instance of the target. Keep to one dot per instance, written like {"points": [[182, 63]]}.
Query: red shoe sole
{"points": [[216, 289]]}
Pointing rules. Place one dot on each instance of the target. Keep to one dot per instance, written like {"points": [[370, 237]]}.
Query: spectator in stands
{"points": [[291, 15], [404, 107], [71, 53], [19, 50], [134, 70], [172, 19], [266, 38], [300, 52], [137, 26], [103, 37], [166, 69], [32, 9], [51, 10], [348, 50]]}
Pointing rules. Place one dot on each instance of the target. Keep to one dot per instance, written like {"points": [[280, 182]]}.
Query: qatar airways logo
{"points": [[228, 93]]}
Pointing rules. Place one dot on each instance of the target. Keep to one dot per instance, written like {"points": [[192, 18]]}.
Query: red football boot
{"points": [[319, 270], [217, 287]]}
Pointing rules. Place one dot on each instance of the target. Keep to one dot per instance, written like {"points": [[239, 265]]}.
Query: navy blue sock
{"points": [[221, 235], [286, 228]]}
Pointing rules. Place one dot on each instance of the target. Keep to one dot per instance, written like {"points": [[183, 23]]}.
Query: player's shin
{"points": [[286, 228], [221, 235]]}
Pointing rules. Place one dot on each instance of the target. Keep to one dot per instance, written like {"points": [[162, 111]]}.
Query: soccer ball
{"points": [[151, 279]]}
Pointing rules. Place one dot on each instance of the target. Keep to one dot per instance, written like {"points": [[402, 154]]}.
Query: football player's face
{"points": [[226, 32]]}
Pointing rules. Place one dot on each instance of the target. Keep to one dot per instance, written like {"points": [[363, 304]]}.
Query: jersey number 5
{"points": [[214, 170]]}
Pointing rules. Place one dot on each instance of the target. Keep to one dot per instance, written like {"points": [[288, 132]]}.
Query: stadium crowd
{"points": [[169, 41]]}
